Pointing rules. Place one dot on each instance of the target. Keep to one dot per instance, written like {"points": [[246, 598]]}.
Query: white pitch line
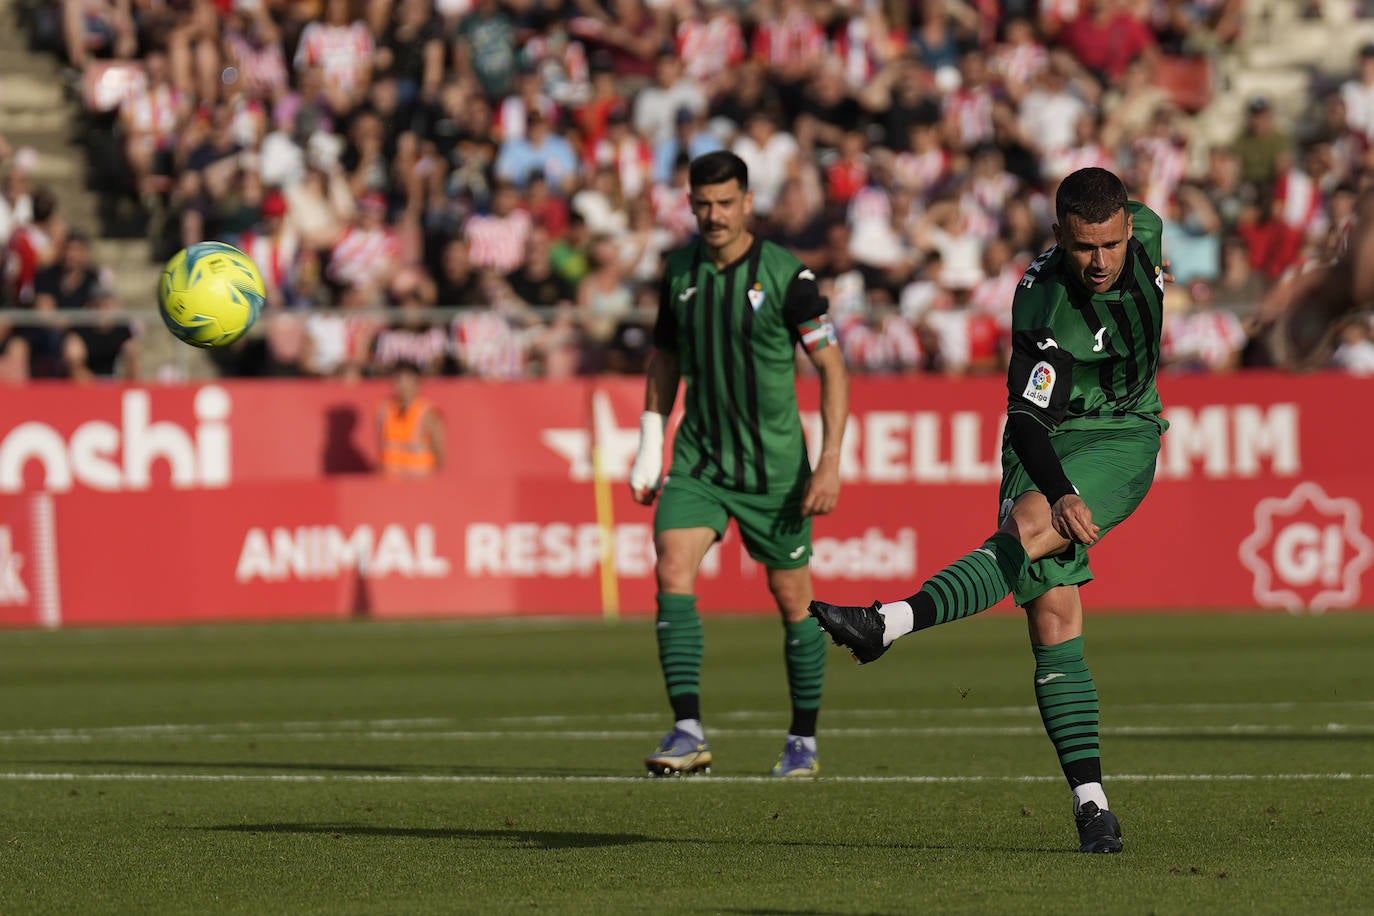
{"points": [[951, 731], [933, 712], [645, 780]]}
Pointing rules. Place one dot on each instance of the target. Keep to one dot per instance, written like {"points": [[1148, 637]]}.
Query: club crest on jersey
{"points": [[755, 296], [1040, 385]]}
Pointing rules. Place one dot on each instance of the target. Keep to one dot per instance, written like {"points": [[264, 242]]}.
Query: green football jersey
{"points": [[1084, 359], [735, 333]]}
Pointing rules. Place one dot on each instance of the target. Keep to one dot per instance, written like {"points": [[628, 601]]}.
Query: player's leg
{"points": [[972, 584], [1025, 558], [1067, 698], [776, 535], [804, 655], [687, 523]]}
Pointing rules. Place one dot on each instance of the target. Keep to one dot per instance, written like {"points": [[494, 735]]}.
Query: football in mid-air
{"points": [[210, 294]]}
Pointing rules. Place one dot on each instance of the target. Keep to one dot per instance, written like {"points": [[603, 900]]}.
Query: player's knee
{"points": [[676, 573]]}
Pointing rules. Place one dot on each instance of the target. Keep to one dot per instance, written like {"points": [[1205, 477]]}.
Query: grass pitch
{"points": [[495, 767]]}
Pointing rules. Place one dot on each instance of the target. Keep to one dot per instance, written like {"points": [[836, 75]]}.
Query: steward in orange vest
{"points": [[410, 429]]}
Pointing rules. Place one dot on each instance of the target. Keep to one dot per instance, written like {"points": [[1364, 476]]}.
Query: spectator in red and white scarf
{"points": [[369, 251], [1198, 336], [497, 239]]}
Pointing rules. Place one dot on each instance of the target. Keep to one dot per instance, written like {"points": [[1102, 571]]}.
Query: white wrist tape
{"points": [[647, 473]]}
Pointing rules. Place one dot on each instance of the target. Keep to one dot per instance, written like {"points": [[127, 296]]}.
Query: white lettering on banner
{"points": [[897, 447], [1231, 440], [1308, 550], [618, 443], [965, 446], [12, 588], [873, 556], [311, 552], [560, 550], [93, 456]]}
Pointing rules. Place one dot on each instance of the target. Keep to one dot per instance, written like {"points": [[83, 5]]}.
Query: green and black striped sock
{"points": [[804, 649], [1067, 697], [973, 583], [681, 646]]}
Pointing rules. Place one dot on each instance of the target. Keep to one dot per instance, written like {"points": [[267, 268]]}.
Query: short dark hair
{"points": [[1093, 195], [718, 168]]}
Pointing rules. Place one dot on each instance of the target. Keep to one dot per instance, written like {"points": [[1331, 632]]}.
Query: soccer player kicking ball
{"points": [[732, 309], [1083, 430]]}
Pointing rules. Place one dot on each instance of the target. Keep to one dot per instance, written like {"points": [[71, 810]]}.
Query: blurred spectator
{"points": [[275, 246], [1358, 95], [367, 254], [536, 283], [33, 246], [539, 151], [1355, 348], [499, 342], [411, 338], [16, 196], [106, 349], [1240, 287], [458, 284], [410, 430], [1261, 144], [73, 281], [14, 354], [97, 29], [798, 226], [497, 239], [770, 154], [1199, 336], [1192, 236], [603, 297], [1107, 36], [881, 342], [484, 46], [642, 247], [711, 45], [152, 117], [412, 52], [691, 137], [660, 107], [341, 49]]}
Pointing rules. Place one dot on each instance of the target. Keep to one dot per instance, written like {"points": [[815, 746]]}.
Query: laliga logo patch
{"points": [[755, 296], [1041, 385]]}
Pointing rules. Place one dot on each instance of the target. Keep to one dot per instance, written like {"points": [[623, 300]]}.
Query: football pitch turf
{"points": [[496, 767]]}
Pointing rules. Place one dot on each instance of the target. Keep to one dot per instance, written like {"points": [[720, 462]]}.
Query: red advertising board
{"points": [[256, 499]]}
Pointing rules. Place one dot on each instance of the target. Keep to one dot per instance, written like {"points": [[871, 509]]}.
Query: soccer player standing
{"points": [[1083, 430], [732, 309]]}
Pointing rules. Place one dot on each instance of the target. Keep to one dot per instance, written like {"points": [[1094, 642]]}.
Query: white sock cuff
{"points": [[1089, 792], [899, 619], [691, 727]]}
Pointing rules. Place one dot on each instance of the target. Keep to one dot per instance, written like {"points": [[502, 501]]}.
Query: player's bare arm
{"points": [[823, 489], [660, 392]]}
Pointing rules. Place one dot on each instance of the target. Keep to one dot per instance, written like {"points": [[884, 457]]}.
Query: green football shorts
{"points": [[774, 532], [1112, 469]]}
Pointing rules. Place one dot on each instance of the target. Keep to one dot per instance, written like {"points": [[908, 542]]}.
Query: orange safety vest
{"points": [[405, 447]]}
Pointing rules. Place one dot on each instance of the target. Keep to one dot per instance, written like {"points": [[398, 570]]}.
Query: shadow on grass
{"points": [[536, 839], [565, 839]]}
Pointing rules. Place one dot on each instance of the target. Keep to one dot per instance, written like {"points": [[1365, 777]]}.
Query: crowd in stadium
{"points": [[527, 161]]}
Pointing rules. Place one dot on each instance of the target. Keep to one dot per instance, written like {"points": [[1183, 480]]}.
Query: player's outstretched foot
{"points": [[1098, 829], [858, 629], [680, 754], [796, 760]]}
